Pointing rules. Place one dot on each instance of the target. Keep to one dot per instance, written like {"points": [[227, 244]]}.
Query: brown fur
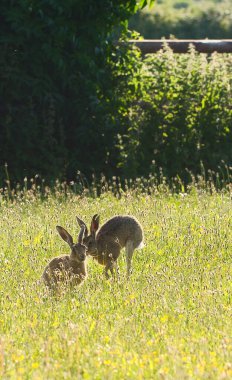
{"points": [[67, 269], [105, 245]]}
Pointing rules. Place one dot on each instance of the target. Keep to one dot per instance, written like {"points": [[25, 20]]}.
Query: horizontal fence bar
{"points": [[182, 46]]}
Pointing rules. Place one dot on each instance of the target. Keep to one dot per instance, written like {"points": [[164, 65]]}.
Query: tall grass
{"points": [[37, 189], [171, 320]]}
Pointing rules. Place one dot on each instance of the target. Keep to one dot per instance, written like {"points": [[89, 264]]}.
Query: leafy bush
{"points": [[184, 118]]}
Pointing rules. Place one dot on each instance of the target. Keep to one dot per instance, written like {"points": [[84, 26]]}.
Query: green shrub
{"points": [[184, 118]]}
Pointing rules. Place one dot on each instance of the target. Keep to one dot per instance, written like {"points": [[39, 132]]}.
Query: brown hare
{"points": [[105, 245], [70, 269]]}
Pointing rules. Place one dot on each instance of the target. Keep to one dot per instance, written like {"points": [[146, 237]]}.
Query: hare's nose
{"points": [[82, 256]]}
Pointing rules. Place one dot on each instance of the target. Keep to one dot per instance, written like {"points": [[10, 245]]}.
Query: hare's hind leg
{"points": [[129, 254]]}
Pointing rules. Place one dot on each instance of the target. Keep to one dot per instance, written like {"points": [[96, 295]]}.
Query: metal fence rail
{"points": [[182, 46]]}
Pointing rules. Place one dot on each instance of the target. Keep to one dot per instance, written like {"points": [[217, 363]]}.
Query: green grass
{"points": [[171, 320], [186, 7], [184, 19]]}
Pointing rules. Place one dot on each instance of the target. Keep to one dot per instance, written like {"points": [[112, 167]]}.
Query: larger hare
{"points": [[71, 268], [105, 245]]}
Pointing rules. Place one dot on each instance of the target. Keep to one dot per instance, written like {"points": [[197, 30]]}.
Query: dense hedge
{"points": [[58, 90], [185, 19]]}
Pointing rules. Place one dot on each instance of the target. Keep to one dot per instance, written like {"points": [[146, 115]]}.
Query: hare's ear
{"points": [[94, 224], [81, 223], [65, 235], [81, 234]]}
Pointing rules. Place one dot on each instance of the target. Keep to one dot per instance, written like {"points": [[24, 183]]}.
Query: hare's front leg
{"points": [[113, 251], [117, 269], [109, 267]]}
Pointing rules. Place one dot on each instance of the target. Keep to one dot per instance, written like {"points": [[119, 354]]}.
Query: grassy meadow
{"points": [[171, 320], [184, 19]]}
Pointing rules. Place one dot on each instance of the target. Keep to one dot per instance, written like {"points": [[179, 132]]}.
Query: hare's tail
{"points": [[141, 245]]}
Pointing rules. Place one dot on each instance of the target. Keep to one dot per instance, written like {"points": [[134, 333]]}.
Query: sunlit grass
{"points": [[171, 320]]}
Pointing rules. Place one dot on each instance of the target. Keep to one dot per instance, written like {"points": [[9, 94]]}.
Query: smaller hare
{"points": [[67, 269], [105, 245]]}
